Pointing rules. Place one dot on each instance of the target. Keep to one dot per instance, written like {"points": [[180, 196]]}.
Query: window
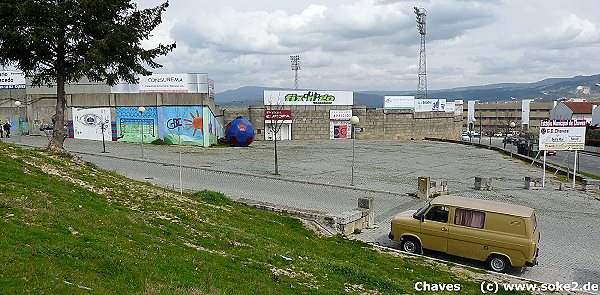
{"points": [[438, 213], [469, 218]]}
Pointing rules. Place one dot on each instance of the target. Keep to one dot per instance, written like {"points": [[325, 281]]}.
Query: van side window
{"points": [[438, 213], [469, 218]]}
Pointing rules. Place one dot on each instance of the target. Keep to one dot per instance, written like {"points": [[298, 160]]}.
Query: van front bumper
{"points": [[534, 262]]}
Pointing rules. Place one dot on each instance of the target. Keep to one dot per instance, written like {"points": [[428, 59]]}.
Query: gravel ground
{"points": [[316, 176]]}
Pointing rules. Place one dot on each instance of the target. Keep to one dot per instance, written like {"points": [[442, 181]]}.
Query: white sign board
{"points": [[562, 135], [340, 115], [87, 123], [470, 111], [525, 110], [164, 83], [430, 105], [297, 97], [450, 107], [12, 80], [399, 103]]}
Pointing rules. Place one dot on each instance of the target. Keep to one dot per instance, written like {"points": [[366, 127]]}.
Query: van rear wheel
{"points": [[498, 263], [411, 245]]}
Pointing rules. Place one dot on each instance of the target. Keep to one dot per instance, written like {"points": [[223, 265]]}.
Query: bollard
{"points": [[424, 188], [367, 204], [483, 183]]}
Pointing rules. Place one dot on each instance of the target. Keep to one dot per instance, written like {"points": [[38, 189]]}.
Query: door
{"points": [[434, 229]]}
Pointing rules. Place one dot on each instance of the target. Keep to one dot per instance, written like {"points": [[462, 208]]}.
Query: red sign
{"points": [[278, 115]]}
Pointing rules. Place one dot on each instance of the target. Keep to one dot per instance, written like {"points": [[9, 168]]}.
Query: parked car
{"points": [[551, 153], [503, 235], [498, 134], [465, 136]]}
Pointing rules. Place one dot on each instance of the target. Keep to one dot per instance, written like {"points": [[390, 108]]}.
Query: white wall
{"points": [[561, 112], [596, 116]]}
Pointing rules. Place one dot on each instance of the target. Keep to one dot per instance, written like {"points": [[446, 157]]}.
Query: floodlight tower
{"points": [[295, 60], [421, 22]]}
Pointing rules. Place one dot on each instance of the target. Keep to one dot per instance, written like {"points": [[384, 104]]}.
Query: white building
{"points": [[573, 111], [596, 116]]}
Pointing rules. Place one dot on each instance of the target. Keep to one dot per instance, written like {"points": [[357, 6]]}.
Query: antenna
{"points": [[295, 60], [421, 14]]}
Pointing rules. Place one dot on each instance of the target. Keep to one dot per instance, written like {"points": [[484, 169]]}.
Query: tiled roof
{"points": [[582, 107]]}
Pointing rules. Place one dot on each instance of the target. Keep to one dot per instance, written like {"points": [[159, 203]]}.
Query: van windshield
{"points": [[421, 211]]}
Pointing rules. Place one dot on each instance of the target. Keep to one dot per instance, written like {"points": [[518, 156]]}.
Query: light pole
{"points": [[511, 125], [17, 128], [353, 121], [471, 130], [142, 110]]}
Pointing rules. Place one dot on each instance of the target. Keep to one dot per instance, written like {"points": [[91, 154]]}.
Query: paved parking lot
{"points": [[315, 175]]}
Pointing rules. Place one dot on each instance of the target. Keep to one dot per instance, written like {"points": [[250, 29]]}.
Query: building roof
{"points": [[585, 107], [483, 205]]}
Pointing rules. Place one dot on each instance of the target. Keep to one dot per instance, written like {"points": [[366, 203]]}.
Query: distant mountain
{"points": [[545, 90]]}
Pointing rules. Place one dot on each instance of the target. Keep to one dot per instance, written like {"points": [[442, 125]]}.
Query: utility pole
{"points": [[421, 14], [295, 60]]}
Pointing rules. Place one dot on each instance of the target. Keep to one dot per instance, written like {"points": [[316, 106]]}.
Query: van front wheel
{"points": [[411, 245], [498, 263]]}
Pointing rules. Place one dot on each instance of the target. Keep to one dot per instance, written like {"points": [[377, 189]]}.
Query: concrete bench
{"points": [[591, 184], [532, 182]]}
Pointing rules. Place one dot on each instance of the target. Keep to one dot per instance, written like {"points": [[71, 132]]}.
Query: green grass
{"points": [[67, 225]]}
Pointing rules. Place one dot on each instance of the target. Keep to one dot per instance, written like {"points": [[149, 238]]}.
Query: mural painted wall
{"points": [[183, 125], [130, 125], [215, 130], [87, 123]]}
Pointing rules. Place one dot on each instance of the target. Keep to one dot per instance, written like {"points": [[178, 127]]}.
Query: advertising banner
{"points": [[12, 80], [130, 124], [297, 97], [164, 83], [562, 135], [430, 105], [399, 103], [278, 115], [450, 107], [339, 124], [470, 111], [525, 110], [87, 123], [458, 107], [183, 125]]}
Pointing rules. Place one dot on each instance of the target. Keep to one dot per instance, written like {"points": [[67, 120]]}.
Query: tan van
{"points": [[503, 235]]}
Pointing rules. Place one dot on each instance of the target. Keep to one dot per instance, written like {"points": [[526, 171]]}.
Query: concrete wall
{"points": [[561, 112], [312, 122]]}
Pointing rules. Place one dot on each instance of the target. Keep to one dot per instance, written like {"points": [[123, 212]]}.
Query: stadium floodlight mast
{"points": [[421, 14], [295, 60]]}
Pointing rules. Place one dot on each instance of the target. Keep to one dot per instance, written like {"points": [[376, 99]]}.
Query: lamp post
{"points": [[471, 130], [142, 110], [17, 128], [353, 121], [511, 125]]}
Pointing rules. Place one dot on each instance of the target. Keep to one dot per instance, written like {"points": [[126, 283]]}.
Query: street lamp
{"points": [[142, 110], [471, 130], [353, 121], [18, 123], [511, 125]]}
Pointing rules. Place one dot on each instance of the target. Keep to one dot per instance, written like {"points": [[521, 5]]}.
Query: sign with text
{"points": [[309, 97], [562, 135], [12, 80], [430, 105], [399, 103], [164, 83], [278, 115]]}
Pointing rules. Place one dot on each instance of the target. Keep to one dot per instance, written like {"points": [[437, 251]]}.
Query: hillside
{"points": [[545, 90], [67, 227]]}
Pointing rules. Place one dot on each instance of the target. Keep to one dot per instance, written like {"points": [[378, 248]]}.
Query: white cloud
{"points": [[374, 44]]}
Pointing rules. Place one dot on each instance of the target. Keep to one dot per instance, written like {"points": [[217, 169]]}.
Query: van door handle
{"points": [[444, 229]]}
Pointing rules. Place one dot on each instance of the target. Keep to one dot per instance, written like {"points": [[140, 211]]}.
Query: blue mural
{"points": [[130, 124], [183, 125]]}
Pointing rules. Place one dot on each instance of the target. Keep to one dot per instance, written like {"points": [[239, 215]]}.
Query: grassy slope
{"points": [[65, 223]]}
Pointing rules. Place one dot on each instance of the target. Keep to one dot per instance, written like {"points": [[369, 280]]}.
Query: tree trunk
{"points": [[60, 132], [276, 164]]}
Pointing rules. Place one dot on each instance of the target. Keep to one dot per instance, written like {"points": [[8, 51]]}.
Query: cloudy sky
{"points": [[374, 44]]}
